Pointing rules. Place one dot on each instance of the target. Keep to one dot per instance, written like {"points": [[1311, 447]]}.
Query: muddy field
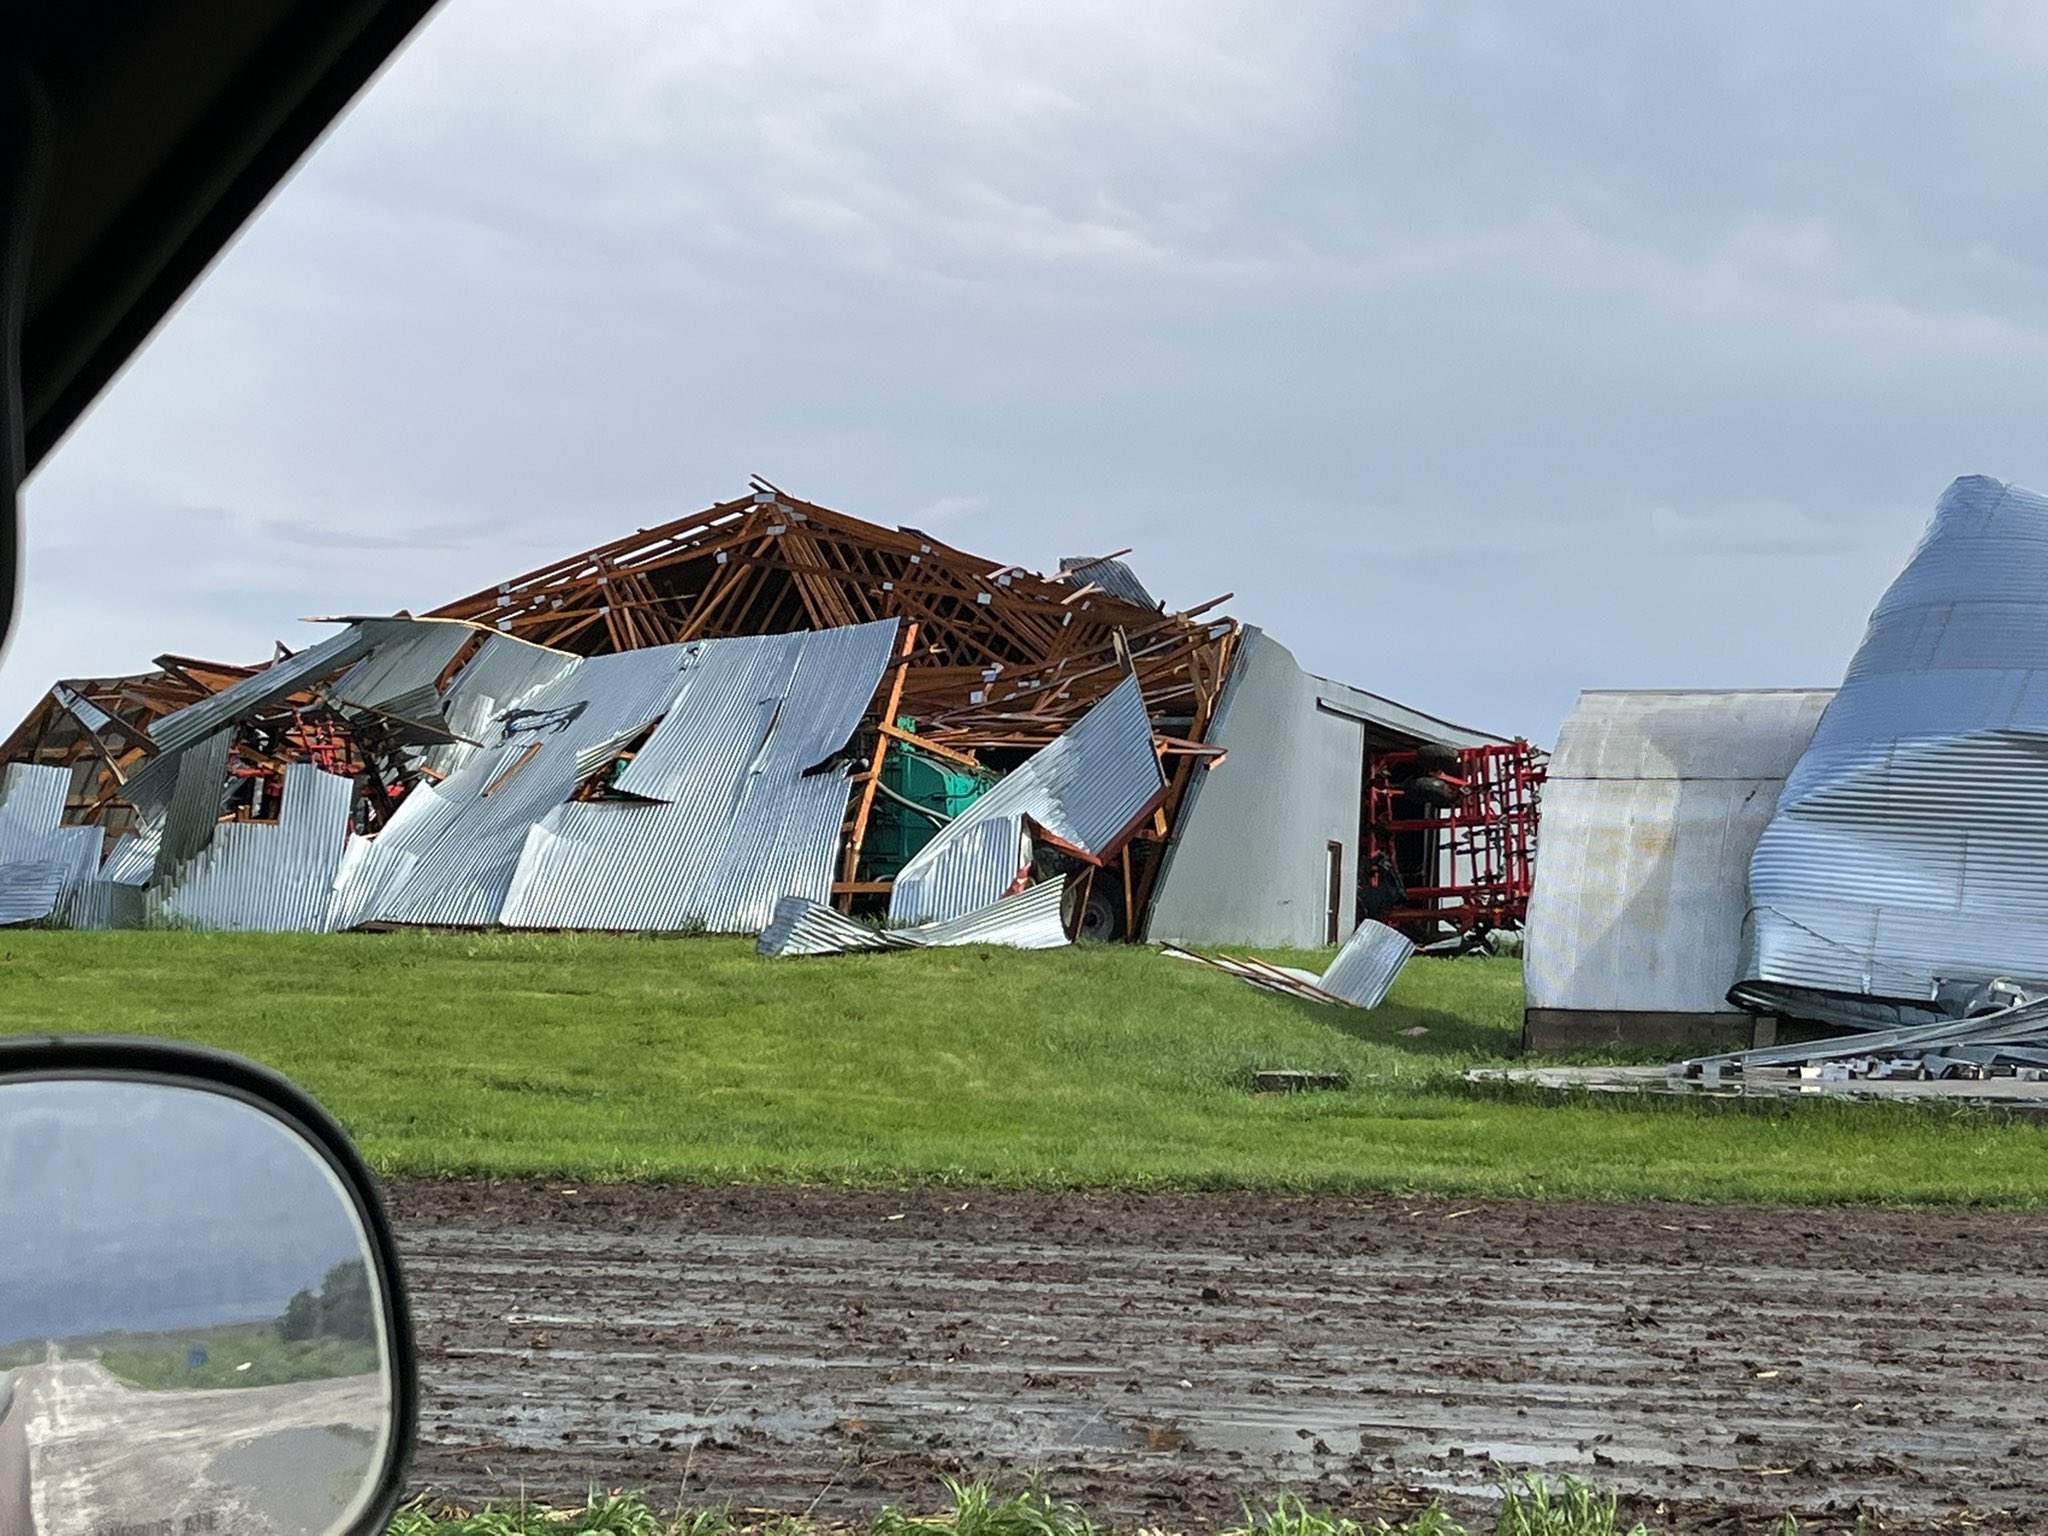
{"points": [[1164, 1358]]}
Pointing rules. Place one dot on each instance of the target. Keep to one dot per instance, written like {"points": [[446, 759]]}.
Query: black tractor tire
{"points": [[1435, 757], [1102, 919], [1376, 901], [1049, 863], [1437, 791]]}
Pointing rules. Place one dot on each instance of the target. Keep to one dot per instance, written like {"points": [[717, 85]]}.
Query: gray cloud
{"points": [[1485, 353]]}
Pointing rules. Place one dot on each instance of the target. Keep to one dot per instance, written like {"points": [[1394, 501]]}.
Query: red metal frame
{"points": [[1478, 853], [329, 745]]}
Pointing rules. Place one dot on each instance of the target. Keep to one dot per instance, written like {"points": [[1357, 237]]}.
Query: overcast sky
{"points": [[1486, 352], [141, 1205]]}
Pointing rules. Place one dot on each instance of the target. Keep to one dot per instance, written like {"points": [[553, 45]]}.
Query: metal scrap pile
{"points": [[674, 732], [2004, 1035]]}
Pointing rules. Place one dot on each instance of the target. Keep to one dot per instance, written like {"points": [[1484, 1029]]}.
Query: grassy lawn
{"points": [[593, 1057], [249, 1355], [1528, 1508]]}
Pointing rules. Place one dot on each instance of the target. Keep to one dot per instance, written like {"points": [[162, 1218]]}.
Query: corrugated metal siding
{"points": [[1368, 965], [800, 926], [1087, 789], [29, 892], [269, 877], [398, 678], [464, 836], [1909, 851], [730, 815], [503, 675], [188, 725], [40, 859], [1028, 920], [1654, 803], [743, 817], [102, 904], [1113, 576], [195, 790]]}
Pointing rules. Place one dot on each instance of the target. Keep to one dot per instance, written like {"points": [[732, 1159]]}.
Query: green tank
{"points": [[896, 831]]}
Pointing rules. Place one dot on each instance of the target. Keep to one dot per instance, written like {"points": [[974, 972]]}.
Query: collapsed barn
{"points": [[769, 699]]}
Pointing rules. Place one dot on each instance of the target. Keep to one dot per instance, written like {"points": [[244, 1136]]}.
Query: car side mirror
{"points": [[203, 1331]]}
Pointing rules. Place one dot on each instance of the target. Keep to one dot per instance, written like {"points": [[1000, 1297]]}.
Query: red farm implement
{"points": [[1450, 838]]}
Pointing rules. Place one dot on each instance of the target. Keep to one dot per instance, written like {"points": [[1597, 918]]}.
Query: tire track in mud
{"points": [[1164, 1358]]}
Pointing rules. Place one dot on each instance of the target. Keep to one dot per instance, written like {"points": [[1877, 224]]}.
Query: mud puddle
{"points": [[1165, 1359]]}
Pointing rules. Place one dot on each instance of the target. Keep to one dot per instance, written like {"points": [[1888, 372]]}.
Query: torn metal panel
{"points": [[801, 926], [733, 802], [196, 777], [398, 681], [274, 877], [87, 713], [1085, 793], [730, 803], [1110, 574], [501, 677], [391, 665], [1368, 965], [100, 905], [132, 859], [464, 836], [1284, 979], [278, 681], [1654, 804], [29, 892], [40, 859], [1908, 859], [1028, 920]]}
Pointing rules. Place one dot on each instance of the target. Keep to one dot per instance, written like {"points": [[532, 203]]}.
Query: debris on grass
{"points": [[1361, 976]]}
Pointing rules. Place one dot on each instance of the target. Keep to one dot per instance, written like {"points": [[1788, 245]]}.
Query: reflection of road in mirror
{"points": [[197, 1341], [17, 1517], [105, 1458]]}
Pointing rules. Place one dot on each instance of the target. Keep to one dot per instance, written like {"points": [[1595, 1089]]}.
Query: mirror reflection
{"points": [[191, 1336]]}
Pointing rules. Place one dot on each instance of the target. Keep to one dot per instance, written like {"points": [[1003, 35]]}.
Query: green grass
{"points": [[600, 1057], [249, 1355], [1528, 1507]]}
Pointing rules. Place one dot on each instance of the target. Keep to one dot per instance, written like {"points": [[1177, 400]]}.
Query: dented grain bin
{"points": [[1907, 863]]}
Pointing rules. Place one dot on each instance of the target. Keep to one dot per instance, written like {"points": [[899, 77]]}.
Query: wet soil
{"points": [[1165, 1359]]}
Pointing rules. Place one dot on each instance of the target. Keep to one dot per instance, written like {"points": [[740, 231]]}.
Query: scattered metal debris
{"points": [[1028, 920], [1084, 795], [2012, 1093], [1361, 976], [2004, 1035]]}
